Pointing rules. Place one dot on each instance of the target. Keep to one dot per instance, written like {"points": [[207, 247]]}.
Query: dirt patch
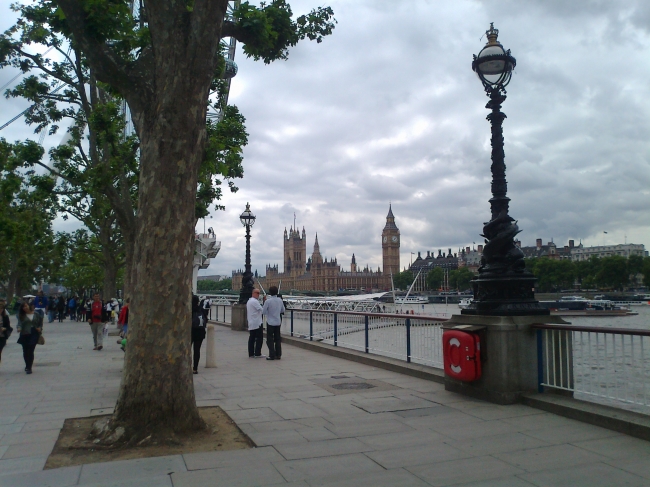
{"points": [[74, 447]]}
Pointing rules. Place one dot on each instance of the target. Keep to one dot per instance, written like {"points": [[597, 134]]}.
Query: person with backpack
{"points": [[96, 320], [198, 330]]}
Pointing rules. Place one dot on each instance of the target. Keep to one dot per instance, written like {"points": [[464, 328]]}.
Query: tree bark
{"points": [[167, 91]]}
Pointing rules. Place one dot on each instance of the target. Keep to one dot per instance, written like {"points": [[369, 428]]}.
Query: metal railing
{"points": [[607, 365], [414, 338]]}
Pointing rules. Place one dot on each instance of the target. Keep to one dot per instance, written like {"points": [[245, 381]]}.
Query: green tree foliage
{"points": [[645, 270], [83, 268], [208, 285], [30, 250], [402, 280], [612, 272], [98, 174], [435, 277], [460, 279]]}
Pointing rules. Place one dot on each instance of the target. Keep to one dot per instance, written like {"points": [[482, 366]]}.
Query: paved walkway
{"points": [[310, 427]]}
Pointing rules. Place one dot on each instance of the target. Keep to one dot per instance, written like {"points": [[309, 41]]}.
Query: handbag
{"points": [[41, 340]]}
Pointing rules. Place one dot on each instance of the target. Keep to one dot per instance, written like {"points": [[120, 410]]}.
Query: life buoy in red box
{"points": [[462, 355]]}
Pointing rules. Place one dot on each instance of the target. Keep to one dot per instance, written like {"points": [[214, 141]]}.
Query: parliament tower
{"points": [[390, 245]]}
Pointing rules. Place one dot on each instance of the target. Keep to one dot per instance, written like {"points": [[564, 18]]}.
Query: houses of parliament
{"points": [[320, 274]]}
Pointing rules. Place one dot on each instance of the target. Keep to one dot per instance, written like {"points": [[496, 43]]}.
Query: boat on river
{"points": [[579, 306]]}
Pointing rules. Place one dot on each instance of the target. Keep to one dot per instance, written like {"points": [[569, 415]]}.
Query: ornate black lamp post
{"points": [[503, 287], [248, 220]]}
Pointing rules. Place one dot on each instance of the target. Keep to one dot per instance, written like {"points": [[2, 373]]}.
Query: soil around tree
{"points": [[75, 444]]}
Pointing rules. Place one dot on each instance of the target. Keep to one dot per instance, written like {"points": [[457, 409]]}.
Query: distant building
{"points": [[549, 250], [580, 252], [317, 273], [422, 266], [623, 250]]}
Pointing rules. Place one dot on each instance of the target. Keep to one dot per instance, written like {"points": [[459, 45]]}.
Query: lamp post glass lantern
{"points": [[248, 220], [503, 287]]}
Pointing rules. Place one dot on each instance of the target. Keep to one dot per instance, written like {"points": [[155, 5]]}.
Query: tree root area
{"points": [[75, 445]]}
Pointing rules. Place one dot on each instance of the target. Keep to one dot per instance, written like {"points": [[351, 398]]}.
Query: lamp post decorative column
{"points": [[248, 220], [503, 287]]}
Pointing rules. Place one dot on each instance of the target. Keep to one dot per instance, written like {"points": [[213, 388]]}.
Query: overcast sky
{"points": [[387, 109]]}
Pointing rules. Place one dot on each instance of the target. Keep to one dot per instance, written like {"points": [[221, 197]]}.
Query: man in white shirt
{"points": [[255, 329], [273, 310]]}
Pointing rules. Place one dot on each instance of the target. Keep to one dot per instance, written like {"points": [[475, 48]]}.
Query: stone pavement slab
{"points": [[591, 475], [128, 470], [410, 433]]}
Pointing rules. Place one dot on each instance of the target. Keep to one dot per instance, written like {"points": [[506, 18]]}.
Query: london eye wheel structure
{"points": [[231, 68]]}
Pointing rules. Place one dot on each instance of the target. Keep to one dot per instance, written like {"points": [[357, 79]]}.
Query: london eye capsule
{"points": [[231, 69]]}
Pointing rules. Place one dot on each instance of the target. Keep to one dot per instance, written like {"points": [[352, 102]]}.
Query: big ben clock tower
{"points": [[390, 245]]}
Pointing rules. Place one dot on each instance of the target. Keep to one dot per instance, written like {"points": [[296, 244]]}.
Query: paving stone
{"points": [[388, 404], [328, 469], [123, 470], [591, 475], [321, 448], [391, 478], [11, 428], [405, 439], [276, 437], [157, 481], [29, 437], [417, 455], [29, 449], [499, 412], [571, 433], [252, 475], [316, 434], [24, 464], [462, 431], [58, 477], [464, 470], [547, 458], [8, 419], [616, 447], [295, 409], [500, 482], [234, 458], [367, 428], [540, 421], [254, 415], [638, 466], [488, 445]]}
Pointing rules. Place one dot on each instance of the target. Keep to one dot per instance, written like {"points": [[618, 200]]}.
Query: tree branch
{"points": [[109, 67]]}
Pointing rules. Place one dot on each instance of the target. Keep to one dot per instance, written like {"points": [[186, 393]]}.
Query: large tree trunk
{"points": [[157, 387], [167, 92]]}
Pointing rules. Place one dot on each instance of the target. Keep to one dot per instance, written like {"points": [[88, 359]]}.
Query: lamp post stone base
{"points": [[239, 321], [508, 357]]}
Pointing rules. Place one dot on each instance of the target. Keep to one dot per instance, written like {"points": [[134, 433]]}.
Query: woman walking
{"points": [[60, 307], [198, 331], [5, 327], [30, 327]]}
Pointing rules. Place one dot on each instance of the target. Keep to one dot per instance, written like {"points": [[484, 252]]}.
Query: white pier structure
{"points": [[363, 303], [206, 247]]}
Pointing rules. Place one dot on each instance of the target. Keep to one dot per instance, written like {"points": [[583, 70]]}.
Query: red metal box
{"points": [[462, 355]]}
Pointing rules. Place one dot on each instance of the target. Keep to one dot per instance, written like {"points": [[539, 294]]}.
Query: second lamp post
{"points": [[248, 220]]}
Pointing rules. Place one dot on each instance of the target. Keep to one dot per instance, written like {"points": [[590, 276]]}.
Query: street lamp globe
{"points": [[247, 218], [494, 64]]}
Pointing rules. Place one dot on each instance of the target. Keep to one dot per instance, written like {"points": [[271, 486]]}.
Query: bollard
{"points": [[210, 352]]}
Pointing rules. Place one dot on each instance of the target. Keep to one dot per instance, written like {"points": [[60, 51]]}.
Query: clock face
{"points": [[385, 239], [394, 238]]}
